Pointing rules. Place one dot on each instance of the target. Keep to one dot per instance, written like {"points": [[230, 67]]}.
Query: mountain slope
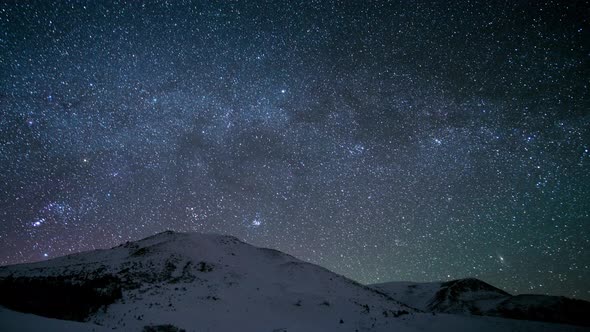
{"points": [[205, 282], [475, 297], [171, 277]]}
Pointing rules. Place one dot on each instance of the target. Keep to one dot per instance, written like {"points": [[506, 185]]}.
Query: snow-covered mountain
{"points": [[475, 297], [205, 282]]}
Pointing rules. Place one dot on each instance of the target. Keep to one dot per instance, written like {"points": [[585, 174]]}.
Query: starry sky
{"points": [[384, 140]]}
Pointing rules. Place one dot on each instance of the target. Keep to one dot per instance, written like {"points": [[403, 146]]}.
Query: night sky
{"points": [[385, 141]]}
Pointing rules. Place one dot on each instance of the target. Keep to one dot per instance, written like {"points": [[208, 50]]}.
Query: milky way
{"points": [[385, 141]]}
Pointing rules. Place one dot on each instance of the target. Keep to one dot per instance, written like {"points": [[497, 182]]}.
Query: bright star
{"points": [[38, 222]]}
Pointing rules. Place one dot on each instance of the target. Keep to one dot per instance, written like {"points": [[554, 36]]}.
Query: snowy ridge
{"points": [[207, 282], [471, 296]]}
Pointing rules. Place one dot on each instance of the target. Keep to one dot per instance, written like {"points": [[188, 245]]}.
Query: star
{"points": [[38, 222]]}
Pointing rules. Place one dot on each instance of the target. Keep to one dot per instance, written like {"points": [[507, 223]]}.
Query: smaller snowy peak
{"points": [[472, 296], [468, 295], [455, 296]]}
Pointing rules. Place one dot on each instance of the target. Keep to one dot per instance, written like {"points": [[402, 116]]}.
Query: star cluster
{"points": [[383, 140]]}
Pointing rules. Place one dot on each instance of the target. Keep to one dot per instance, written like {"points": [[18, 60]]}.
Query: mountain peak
{"points": [[170, 235]]}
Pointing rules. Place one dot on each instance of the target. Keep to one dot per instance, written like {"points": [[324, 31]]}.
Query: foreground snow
{"points": [[17, 321]]}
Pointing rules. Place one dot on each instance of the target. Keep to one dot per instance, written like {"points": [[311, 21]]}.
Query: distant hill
{"points": [[475, 297]]}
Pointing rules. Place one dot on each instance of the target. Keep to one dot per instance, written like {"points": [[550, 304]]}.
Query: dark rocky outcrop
{"points": [[59, 297]]}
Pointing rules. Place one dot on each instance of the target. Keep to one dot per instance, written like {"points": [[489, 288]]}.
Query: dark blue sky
{"points": [[383, 140]]}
